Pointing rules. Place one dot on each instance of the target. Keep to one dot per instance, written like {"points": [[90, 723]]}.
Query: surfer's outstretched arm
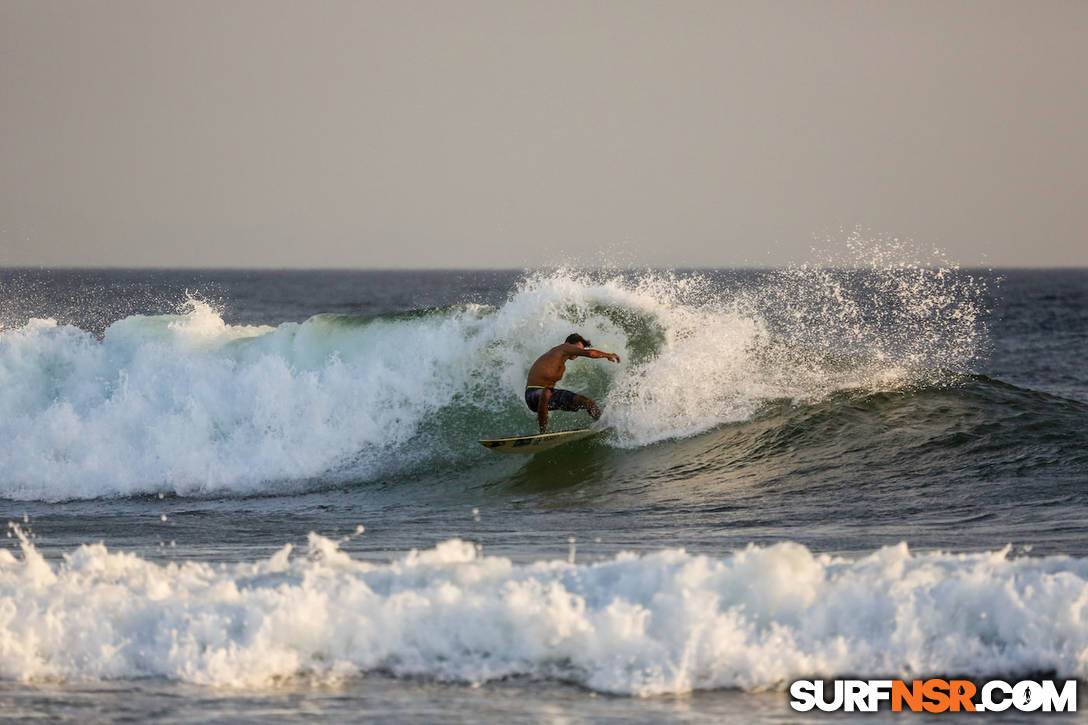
{"points": [[607, 355], [577, 351]]}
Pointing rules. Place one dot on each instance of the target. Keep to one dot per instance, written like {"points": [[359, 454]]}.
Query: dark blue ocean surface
{"points": [[217, 479]]}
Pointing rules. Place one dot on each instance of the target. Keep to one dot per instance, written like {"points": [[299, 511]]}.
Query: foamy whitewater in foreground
{"points": [[667, 622]]}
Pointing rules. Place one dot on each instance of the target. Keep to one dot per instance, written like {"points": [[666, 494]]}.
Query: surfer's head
{"points": [[574, 338]]}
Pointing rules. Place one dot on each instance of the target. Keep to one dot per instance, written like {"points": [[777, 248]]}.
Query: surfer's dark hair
{"points": [[574, 338]]}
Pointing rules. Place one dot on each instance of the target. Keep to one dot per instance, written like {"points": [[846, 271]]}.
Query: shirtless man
{"points": [[541, 394]]}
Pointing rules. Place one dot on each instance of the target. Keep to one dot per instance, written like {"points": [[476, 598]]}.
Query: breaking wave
{"points": [[666, 622], [188, 404]]}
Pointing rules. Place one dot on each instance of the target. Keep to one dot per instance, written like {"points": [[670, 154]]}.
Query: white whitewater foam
{"points": [[666, 622], [188, 404]]}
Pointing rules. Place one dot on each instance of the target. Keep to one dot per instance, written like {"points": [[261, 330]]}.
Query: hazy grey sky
{"points": [[509, 134]]}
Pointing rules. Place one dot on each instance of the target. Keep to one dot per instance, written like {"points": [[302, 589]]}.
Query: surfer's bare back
{"points": [[541, 395]]}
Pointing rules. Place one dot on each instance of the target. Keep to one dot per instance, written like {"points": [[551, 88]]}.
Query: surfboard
{"points": [[540, 442]]}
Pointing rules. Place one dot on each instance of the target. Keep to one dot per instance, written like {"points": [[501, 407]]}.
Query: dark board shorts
{"points": [[560, 400]]}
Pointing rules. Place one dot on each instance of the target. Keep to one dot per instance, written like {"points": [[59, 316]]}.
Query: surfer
{"points": [[541, 395]]}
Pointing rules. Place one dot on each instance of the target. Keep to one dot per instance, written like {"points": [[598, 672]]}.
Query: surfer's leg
{"points": [[566, 400], [542, 405], [581, 402]]}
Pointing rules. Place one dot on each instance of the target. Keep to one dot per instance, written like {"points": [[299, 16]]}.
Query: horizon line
{"points": [[679, 268]]}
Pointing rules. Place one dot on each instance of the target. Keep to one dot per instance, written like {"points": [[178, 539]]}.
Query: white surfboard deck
{"points": [[540, 442]]}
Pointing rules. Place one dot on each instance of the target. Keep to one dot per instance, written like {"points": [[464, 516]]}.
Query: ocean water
{"points": [[254, 495]]}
